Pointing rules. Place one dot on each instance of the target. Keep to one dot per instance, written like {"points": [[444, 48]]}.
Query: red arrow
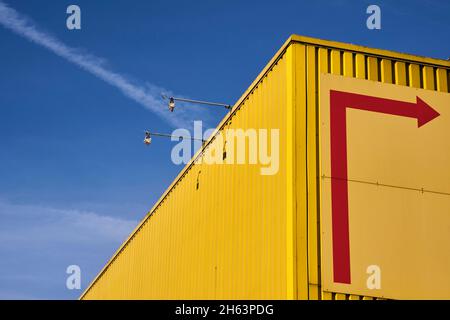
{"points": [[339, 102]]}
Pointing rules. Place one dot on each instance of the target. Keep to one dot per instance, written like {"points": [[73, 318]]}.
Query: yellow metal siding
{"points": [[363, 66], [242, 235], [225, 240], [442, 80], [360, 66], [414, 76], [291, 217], [312, 171], [386, 71], [300, 279], [321, 66]]}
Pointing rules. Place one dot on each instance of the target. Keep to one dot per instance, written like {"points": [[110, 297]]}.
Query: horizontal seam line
{"points": [[388, 185]]}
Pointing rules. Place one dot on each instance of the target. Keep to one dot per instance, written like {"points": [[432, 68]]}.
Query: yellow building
{"points": [[358, 206]]}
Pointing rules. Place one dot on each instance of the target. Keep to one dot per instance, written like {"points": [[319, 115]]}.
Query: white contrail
{"points": [[145, 96]]}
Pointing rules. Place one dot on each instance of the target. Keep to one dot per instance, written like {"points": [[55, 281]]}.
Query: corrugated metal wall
{"points": [[312, 58], [240, 234], [220, 231]]}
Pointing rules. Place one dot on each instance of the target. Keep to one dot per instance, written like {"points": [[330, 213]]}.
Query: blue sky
{"points": [[75, 177]]}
